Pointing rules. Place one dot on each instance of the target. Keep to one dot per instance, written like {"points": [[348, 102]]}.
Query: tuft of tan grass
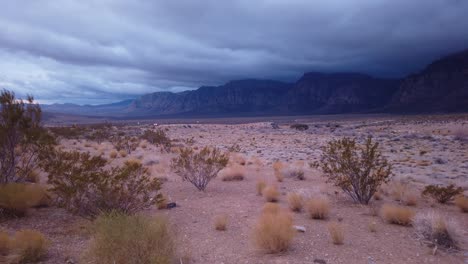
{"points": [[273, 233], [318, 208], [113, 154], [221, 222], [398, 191], [123, 153], [378, 196], [261, 184], [5, 243], [462, 203], [17, 198], [436, 231], [271, 208], [234, 173], [295, 201], [120, 238], [410, 199], [29, 246], [271, 194], [398, 215], [372, 226], [277, 168], [336, 233]]}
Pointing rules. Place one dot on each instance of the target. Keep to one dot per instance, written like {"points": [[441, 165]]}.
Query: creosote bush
{"points": [[271, 194], [318, 208], [462, 203], [357, 170], [398, 215], [442, 194], [158, 138], [199, 168], [119, 239], [434, 230], [274, 232], [87, 186]]}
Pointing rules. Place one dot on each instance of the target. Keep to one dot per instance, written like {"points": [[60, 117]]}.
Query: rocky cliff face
{"points": [[441, 87]]}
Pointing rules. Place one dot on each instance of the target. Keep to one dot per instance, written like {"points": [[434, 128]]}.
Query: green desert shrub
{"points": [[158, 138], [442, 194]]}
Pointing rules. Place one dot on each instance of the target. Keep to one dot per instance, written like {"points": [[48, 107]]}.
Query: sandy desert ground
{"points": [[423, 150]]}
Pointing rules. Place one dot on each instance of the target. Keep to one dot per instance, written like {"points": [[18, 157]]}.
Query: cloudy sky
{"points": [[104, 51]]}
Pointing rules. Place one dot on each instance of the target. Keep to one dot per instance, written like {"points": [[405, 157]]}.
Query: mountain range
{"points": [[441, 87]]}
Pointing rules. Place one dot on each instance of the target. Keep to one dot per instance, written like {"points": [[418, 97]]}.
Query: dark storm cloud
{"points": [[100, 51]]}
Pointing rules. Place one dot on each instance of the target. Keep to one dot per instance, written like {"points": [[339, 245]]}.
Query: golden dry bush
{"points": [[318, 208], [270, 208], [378, 196], [277, 168], [17, 198], [397, 215], [271, 194], [119, 238], [462, 203], [113, 154], [5, 243], [234, 173], [295, 201], [220, 222], [29, 246], [410, 199], [336, 233], [123, 153], [273, 233], [260, 186]]}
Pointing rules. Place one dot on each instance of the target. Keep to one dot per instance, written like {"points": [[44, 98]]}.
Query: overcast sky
{"points": [[104, 51]]}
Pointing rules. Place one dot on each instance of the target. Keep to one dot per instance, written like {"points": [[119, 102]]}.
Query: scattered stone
{"points": [[320, 261], [171, 205], [300, 229]]}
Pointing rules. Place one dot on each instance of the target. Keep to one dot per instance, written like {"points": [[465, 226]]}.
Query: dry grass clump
{"points": [[277, 168], [318, 208], [120, 238], [295, 173], [26, 246], [372, 226], [271, 194], [336, 233], [220, 222], [398, 191], [273, 233], [397, 214], [123, 153], [462, 203], [113, 154], [261, 184], [435, 231], [296, 202], [271, 208], [410, 199], [17, 198], [234, 173]]}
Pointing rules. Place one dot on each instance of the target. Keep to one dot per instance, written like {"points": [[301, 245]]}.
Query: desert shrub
{"points": [[17, 198], [357, 170], [68, 132], [220, 222], [295, 173], [5, 243], [128, 144], [22, 138], [119, 239], [434, 230], [300, 127], [277, 168], [295, 202], [199, 168], [442, 194], [158, 138], [336, 233], [398, 215], [86, 185], [271, 194], [318, 208], [260, 186], [235, 173], [113, 154], [28, 246], [123, 153], [398, 190], [271, 208], [410, 199], [273, 233], [462, 203]]}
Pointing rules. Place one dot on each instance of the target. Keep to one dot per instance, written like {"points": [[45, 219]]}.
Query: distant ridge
{"points": [[441, 87]]}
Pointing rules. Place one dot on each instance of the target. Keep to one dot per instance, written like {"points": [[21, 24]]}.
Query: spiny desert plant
{"points": [[199, 168], [220, 222], [87, 186], [433, 229], [119, 239], [357, 170], [273, 233], [336, 233], [398, 215], [29, 246], [22, 137], [271, 194], [462, 203], [295, 202], [261, 184], [158, 138], [318, 208], [17, 198], [442, 194]]}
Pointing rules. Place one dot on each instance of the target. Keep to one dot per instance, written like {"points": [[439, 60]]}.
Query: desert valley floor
{"points": [[423, 150]]}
